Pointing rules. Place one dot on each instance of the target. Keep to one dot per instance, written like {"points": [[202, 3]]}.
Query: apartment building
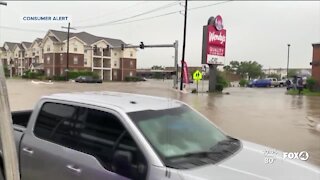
{"points": [[109, 64], [86, 52]]}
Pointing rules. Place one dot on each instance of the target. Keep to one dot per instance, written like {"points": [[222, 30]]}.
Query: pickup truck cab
{"points": [[276, 83], [119, 136]]}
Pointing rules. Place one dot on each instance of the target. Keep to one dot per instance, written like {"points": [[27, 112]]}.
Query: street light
{"points": [[288, 61]]}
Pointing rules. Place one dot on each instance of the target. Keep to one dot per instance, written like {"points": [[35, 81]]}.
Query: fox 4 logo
{"points": [[303, 155]]}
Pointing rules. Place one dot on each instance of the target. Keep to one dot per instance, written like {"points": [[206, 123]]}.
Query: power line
{"points": [[111, 12], [167, 14], [21, 29], [131, 17]]}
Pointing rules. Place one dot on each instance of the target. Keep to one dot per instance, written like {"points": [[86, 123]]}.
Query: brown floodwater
{"points": [[264, 116]]}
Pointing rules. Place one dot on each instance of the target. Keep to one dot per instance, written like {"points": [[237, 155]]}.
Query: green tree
{"points": [[6, 71], [292, 73], [155, 67], [228, 68], [274, 75], [250, 69]]}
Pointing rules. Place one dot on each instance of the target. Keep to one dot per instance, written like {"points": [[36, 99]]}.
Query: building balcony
{"points": [[97, 62], [106, 53], [107, 63], [99, 53]]}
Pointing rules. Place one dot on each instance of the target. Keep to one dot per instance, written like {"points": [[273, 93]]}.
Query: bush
{"points": [[132, 79], [219, 87], [243, 83], [58, 78], [311, 84], [75, 74], [221, 80], [6, 71]]}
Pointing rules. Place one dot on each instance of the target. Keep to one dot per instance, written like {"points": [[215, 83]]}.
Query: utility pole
{"points": [[68, 37], [288, 62], [175, 81], [184, 43], [9, 151]]}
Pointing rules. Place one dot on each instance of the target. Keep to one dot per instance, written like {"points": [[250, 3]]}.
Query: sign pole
{"points": [[213, 48], [197, 87]]}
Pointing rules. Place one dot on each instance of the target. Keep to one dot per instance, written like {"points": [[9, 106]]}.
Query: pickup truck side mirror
{"points": [[122, 163]]}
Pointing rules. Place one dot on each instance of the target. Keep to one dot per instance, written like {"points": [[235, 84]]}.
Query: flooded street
{"points": [[264, 116]]}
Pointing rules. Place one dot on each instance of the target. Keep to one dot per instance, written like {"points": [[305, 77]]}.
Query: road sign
{"points": [[197, 75]]}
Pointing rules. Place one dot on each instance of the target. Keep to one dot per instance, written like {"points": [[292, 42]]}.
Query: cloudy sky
{"points": [[257, 31]]}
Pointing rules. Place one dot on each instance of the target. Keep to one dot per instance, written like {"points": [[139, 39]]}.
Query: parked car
{"points": [[261, 83], [109, 135], [87, 79], [276, 83], [251, 82]]}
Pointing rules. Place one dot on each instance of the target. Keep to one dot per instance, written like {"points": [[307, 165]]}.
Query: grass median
{"points": [[305, 92]]}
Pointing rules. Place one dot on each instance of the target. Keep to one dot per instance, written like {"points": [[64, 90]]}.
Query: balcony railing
{"points": [[98, 53], [97, 62], [106, 53], [106, 63]]}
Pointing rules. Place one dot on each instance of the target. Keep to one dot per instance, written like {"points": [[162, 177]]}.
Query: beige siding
{"points": [[75, 43], [115, 58], [16, 52], [48, 43], [129, 53], [88, 58]]}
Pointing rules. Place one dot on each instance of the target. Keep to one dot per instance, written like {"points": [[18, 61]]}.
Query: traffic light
{"points": [[122, 47], [95, 49], [141, 45]]}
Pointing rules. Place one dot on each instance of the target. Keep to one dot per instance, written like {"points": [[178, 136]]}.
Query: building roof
{"points": [[86, 37], [53, 39], [39, 40], [124, 101], [316, 44], [20, 46], [37, 66], [26, 44], [11, 45]]}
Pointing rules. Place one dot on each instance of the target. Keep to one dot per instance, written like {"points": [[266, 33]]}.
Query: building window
{"points": [[131, 63], [48, 59], [115, 54], [75, 49], [85, 51], [131, 54], [48, 49], [85, 61], [115, 63], [75, 60], [131, 74], [115, 73], [48, 72], [61, 48], [61, 71]]}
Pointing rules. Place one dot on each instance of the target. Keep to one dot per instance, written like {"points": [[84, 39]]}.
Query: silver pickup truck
{"points": [[115, 136]]}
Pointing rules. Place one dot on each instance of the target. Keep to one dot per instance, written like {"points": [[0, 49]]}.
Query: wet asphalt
{"points": [[262, 115]]}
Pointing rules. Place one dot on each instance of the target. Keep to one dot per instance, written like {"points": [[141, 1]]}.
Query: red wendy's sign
{"points": [[214, 43]]}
